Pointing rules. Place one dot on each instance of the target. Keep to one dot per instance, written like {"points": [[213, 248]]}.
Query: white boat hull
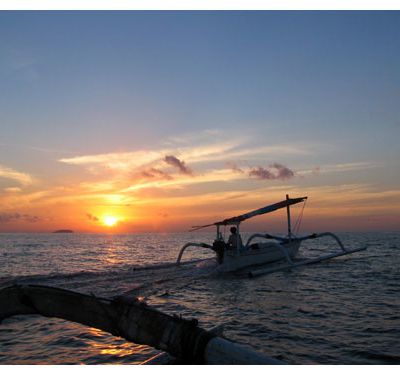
{"points": [[266, 252]]}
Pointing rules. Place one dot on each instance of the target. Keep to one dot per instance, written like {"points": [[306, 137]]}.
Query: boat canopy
{"points": [[261, 211]]}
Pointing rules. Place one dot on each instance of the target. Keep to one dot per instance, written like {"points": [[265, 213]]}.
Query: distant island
{"points": [[64, 231]]}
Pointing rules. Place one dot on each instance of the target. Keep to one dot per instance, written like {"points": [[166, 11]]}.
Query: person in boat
{"points": [[234, 241]]}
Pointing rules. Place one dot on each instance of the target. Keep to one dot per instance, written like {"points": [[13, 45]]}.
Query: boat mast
{"points": [[288, 219]]}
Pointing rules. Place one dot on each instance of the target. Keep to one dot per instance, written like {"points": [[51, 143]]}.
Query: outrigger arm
{"points": [[309, 237], [324, 234], [195, 244], [321, 258], [263, 235]]}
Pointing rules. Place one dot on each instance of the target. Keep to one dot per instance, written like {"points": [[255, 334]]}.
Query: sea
{"points": [[342, 311]]}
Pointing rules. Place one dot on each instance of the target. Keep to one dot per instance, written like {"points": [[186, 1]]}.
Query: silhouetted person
{"points": [[234, 241]]}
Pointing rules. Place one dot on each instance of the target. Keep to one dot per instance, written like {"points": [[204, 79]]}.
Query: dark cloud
{"points": [[234, 167], [156, 173], [5, 218], [261, 173], [31, 219], [16, 216], [175, 162], [275, 171], [92, 217], [283, 173]]}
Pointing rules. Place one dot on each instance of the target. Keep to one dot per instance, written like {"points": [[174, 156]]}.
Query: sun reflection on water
{"points": [[119, 349]]}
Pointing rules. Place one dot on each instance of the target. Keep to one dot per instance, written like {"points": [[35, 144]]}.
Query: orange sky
{"points": [[164, 120], [145, 191]]}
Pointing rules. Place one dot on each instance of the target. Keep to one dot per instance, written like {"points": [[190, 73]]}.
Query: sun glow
{"points": [[110, 221]]}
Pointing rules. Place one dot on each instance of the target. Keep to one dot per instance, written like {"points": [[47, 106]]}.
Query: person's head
{"points": [[233, 230]]}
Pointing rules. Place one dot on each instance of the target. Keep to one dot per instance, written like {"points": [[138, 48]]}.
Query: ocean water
{"points": [[343, 311]]}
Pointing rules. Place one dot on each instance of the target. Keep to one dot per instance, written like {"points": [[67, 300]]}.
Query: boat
{"points": [[277, 248]]}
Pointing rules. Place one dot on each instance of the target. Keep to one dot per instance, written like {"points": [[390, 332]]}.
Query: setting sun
{"points": [[110, 221]]}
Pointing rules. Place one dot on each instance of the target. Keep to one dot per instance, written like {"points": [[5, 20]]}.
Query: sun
{"points": [[110, 221]]}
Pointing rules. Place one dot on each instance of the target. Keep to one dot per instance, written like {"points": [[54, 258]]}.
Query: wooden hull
{"points": [[261, 253]]}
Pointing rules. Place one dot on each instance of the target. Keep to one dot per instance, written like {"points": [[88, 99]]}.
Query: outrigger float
{"points": [[258, 253]]}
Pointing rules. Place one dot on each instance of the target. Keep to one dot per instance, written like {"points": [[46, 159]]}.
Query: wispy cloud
{"points": [[144, 175], [337, 168], [16, 216], [128, 161], [154, 173], [234, 167], [92, 217], [184, 180], [27, 199], [22, 178], [13, 190], [35, 148], [261, 173], [205, 147], [179, 164], [118, 161], [172, 178], [275, 171]]}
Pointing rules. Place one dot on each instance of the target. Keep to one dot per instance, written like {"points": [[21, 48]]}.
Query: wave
{"points": [[376, 356], [80, 276]]}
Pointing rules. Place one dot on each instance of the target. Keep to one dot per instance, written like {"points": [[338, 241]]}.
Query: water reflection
{"points": [[343, 311]]}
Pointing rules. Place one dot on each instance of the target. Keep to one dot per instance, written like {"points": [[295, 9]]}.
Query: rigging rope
{"points": [[299, 219]]}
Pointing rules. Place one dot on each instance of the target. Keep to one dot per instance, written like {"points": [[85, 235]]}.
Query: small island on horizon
{"points": [[63, 231]]}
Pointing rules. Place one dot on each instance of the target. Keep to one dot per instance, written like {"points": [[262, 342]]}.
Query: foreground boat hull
{"points": [[259, 254]]}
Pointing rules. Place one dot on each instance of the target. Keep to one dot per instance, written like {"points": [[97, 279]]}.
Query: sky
{"points": [[156, 121]]}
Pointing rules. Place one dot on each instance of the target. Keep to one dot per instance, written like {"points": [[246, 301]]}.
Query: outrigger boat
{"points": [[258, 253]]}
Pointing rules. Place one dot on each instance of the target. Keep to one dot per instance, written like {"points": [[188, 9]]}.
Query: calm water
{"points": [[344, 311]]}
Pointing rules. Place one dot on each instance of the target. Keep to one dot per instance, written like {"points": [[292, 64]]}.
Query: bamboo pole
{"points": [[164, 358], [129, 319]]}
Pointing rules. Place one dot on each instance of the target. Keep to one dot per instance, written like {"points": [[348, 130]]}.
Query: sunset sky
{"points": [[157, 121]]}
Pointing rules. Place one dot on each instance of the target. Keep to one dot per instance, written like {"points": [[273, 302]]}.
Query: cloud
{"points": [[261, 173], [16, 216], [203, 149], [13, 190], [283, 172], [175, 162], [22, 178], [92, 217], [156, 173], [337, 168], [316, 171], [118, 161], [234, 167], [198, 148], [276, 171], [181, 181]]}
